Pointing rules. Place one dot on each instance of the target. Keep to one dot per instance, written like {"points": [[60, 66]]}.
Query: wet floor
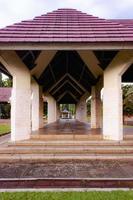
{"points": [[68, 126], [72, 126]]}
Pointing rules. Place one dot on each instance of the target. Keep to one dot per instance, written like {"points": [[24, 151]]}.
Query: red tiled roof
{"points": [[5, 94], [67, 25], [126, 22]]}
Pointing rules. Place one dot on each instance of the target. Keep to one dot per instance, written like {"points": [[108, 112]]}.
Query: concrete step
{"points": [[66, 150], [43, 183], [73, 137], [43, 150], [70, 143], [66, 137], [33, 158]]}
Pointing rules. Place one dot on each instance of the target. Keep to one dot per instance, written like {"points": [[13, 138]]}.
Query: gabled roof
{"points": [[126, 22], [67, 25]]}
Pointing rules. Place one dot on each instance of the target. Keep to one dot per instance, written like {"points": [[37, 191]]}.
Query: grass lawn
{"points": [[4, 128], [113, 195], [128, 126]]}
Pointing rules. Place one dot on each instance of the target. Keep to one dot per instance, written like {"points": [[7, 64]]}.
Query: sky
{"points": [[12, 11]]}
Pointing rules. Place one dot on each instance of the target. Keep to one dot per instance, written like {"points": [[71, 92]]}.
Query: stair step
{"points": [[34, 183], [65, 150], [66, 137], [41, 158], [63, 143]]}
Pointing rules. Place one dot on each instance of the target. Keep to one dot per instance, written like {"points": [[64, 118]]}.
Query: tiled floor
{"points": [[72, 126], [68, 126]]}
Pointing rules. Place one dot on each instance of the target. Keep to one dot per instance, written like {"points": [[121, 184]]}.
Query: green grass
{"points": [[128, 126], [4, 128], [113, 195]]}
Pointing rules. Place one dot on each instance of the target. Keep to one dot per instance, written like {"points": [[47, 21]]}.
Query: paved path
{"points": [[69, 169], [5, 138]]}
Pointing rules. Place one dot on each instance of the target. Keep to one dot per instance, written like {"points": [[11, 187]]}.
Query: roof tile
{"points": [[68, 25]]}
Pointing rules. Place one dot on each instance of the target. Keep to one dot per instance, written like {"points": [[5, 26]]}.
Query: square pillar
{"points": [[81, 109], [20, 114], [96, 108], [112, 97], [57, 111], [35, 105], [112, 108], [41, 108], [52, 109], [21, 107], [21, 95]]}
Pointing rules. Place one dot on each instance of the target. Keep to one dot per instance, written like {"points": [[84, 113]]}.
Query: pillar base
{"points": [[111, 137], [21, 137]]}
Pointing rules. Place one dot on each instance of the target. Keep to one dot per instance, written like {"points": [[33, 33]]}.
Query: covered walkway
{"points": [[66, 56]]}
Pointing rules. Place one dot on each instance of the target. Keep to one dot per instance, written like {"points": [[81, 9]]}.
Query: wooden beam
{"points": [[79, 84], [66, 46], [66, 92], [12, 62], [73, 96], [57, 83], [51, 70], [67, 81], [61, 96], [42, 62], [91, 62], [63, 77]]}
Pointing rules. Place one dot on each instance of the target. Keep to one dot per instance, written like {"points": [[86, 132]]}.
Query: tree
{"points": [[127, 100], [1, 81], [7, 82]]}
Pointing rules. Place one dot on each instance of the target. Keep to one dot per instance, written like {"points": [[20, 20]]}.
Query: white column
{"points": [[112, 107], [51, 109], [35, 105], [96, 106], [41, 107], [81, 109], [21, 96], [112, 98], [20, 111], [57, 111]]}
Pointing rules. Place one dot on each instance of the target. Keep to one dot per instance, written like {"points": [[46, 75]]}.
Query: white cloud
{"points": [[12, 11]]}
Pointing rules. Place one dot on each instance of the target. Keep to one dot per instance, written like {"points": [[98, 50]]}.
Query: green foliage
{"points": [[69, 107], [1, 83], [7, 82], [5, 109], [89, 107], [93, 195], [127, 99]]}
